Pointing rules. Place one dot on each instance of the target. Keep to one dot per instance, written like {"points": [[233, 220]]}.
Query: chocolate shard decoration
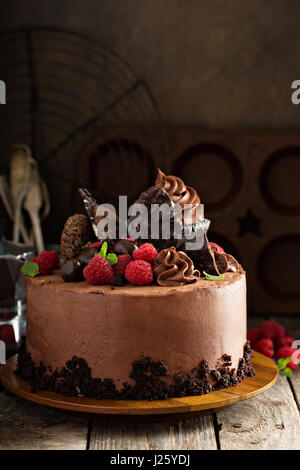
{"points": [[226, 262], [221, 261], [90, 205], [157, 196], [204, 258], [233, 264], [154, 195]]}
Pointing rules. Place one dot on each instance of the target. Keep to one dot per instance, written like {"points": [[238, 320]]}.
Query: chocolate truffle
{"points": [[76, 233], [72, 270]]}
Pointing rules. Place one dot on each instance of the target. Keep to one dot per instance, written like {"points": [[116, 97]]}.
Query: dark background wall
{"points": [[213, 63], [198, 72]]}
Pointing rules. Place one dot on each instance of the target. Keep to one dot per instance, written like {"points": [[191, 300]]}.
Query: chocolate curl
{"points": [[226, 263], [233, 264]]}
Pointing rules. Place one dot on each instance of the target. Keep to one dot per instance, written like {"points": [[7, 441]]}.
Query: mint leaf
{"points": [[287, 360], [112, 258], [30, 269], [280, 364], [210, 277], [86, 245], [283, 362], [103, 250], [288, 372]]}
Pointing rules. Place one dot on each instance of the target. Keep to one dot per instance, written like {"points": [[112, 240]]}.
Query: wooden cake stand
{"points": [[266, 375]]}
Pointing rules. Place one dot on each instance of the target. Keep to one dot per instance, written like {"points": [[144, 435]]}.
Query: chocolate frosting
{"points": [[178, 192], [111, 327], [174, 268], [176, 189]]}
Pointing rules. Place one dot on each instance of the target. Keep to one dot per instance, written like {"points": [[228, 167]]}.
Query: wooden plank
{"points": [[295, 381], [192, 434], [25, 425], [269, 421]]}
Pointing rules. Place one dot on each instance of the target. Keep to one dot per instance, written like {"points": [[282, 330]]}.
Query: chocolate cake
{"points": [[104, 335]]}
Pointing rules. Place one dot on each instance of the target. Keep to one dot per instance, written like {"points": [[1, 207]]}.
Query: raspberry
{"points": [[130, 239], [51, 255], [45, 263], [139, 272], [284, 341], [120, 266], [94, 244], [7, 334], [98, 271], [265, 346], [271, 329], [284, 352], [217, 247], [253, 336], [146, 252]]}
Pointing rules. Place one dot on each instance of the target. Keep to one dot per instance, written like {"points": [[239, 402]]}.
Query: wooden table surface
{"points": [[269, 421]]}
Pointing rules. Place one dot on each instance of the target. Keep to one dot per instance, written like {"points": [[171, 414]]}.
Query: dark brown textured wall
{"points": [[213, 63]]}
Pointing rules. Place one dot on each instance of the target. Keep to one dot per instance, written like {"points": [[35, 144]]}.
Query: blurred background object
{"points": [[12, 293], [105, 94]]}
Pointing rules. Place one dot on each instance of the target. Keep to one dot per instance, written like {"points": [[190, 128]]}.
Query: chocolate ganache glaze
{"points": [[174, 268]]}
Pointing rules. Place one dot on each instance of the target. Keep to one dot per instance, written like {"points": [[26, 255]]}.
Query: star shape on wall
{"points": [[249, 223]]}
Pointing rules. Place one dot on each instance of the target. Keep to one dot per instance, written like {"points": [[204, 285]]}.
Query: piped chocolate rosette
{"points": [[180, 193], [174, 268]]}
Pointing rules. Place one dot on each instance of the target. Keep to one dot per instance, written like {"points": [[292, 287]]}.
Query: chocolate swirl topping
{"points": [[176, 189], [179, 193], [173, 268]]}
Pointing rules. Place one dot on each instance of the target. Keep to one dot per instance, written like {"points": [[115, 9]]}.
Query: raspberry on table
{"points": [[284, 341], [45, 264], [271, 329], [146, 252], [123, 260], [284, 352], [51, 255], [98, 271], [139, 273], [253, 336], [265, 346]]}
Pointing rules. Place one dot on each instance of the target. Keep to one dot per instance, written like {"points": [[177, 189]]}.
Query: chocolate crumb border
{"points": [[75, 380]]}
